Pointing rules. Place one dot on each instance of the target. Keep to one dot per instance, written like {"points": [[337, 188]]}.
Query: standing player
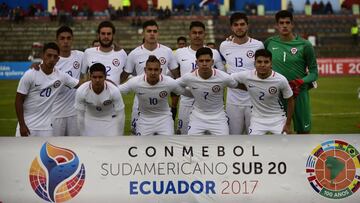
{"points": [[152, 90], [99, 105], [63, 111], [265, 88], [37, 92], [207, 85], [186, 59], [113, 60], [292, 57], [239, 56]]}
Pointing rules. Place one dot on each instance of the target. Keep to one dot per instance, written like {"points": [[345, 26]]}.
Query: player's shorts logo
{"points": [[162, 60], [333, 169], [116, 62], [272, 90], [163, 94], [57, 175], [57, 83], [76, 65], [250, 54], [216, 88], [293, 50], [107, 102]]}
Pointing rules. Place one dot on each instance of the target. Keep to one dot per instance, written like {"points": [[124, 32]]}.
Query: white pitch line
{"points": [[336, 114]]}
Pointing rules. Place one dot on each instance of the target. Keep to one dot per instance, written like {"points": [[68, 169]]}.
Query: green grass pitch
{"points": [[335, 106]]}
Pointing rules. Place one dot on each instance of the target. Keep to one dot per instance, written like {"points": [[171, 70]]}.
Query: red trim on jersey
{"points": [[90, 85], [98, 48], [214, 72], [161, 78], [274, 74], [158, 45]]}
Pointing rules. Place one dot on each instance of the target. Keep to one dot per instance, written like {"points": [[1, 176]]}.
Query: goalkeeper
{"points": [[294, 58]]}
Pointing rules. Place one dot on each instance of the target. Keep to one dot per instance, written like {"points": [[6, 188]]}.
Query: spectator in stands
{"points": [[53, 14], [161, 13], [4, 10], [321, 7], [355, 34], [290, 7], [167, 12], [328, 8], [181, 42], [32, 10], [315, 8], [247, 8], [74, 10]]}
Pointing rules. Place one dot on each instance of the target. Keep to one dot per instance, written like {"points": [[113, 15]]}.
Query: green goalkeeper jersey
{"points": [[294, 59]]}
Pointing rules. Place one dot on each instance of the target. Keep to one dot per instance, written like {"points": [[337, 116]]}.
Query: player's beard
{"points": [[106, 45], [242, 35]]}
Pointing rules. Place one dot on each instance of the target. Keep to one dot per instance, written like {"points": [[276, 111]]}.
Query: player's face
{"points": [[181, 44], [106, 37], [240, 28], [151, 34], [197, 36], [205, 63], [64, 41], [263, 66], [97, 79], [285, 26], [50, 58], [152, 71]]}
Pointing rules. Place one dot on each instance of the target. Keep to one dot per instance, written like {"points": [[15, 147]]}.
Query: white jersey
{"points": [[41, 90], [137, 59], [186, 58], [153, 99], [64, 103], [239, 57], [265, 93], [114, 62], [209, 93], [99, 106]]}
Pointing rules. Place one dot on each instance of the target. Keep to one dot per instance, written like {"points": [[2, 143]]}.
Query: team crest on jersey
{"points": [[293, 50], [162, 60], [116, 62], [107, 102], [250, 53], [76, 64], [163, 94], [216, 88], [272, 90], [57, 84]]}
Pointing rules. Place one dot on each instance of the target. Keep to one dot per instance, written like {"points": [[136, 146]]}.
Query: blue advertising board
{"points": [[13, 70]]}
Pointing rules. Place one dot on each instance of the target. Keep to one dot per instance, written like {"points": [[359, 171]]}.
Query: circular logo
{"points": [[272, 90], [98, 108], [76, 65], [162, 60], [216, 88], [250, 54], [57, 83], [107, 102], [116, 62], [293, 50], [333, 169], [163, 94]]}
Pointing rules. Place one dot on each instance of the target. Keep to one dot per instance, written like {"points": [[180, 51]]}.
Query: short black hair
{"points": [[204, 51], [263, 52], [149, 23], [181, 38], [153, 59], [62, 29], [283, 14], [237, 16], [106, 24], [196, 24], [51, 45], [98, 67]]}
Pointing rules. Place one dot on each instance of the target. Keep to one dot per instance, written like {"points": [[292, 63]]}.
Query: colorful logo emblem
{"points": [[162, 60], [163, 94], [293, 50], [216, 88], [333, 169], [57, 83], [250, 54], [116, 62], [272, 90], [56, 176]]}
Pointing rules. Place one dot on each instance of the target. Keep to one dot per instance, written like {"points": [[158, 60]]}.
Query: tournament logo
{"points": [[57, 83], [116, 62], [293, 50], [272, 90], [162, 60], [216, 88], [107, 102], [333, 169], [163, 94], [56, 176], [76, 65], [250, 54]]}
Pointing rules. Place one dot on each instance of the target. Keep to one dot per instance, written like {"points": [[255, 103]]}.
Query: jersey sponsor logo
{"points": [[194, 88], [76, 64], [272, 90], [227, 54], [183, 59], [251, 85], [57, 83], [141, 93], [250, 54], [37, 85], [140, 62], [162, 60], [274, 48], [94, 62], [293, 50], [333, 169], [116, 62], [306, 125], [163, 94], [107, 102], [216, 88]]}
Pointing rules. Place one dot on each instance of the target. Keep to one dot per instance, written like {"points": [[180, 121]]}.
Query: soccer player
{"points": [[63, 111], [36, 93], [181, 42], [152, 90], [114, 60], [292, 57], [99, 105], [186, 59], [207, 85], [265, 88], [239, 56]]}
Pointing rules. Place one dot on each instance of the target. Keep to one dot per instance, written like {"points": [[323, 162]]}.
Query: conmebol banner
{"points": [[292, 168], [338, 66]]}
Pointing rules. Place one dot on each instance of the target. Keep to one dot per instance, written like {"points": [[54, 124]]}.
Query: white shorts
{"points": [[183, 118], [66, 126], [35, 133], [159, 125], [239, 118], [201, 124], [262, 126], [113, 127]]}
